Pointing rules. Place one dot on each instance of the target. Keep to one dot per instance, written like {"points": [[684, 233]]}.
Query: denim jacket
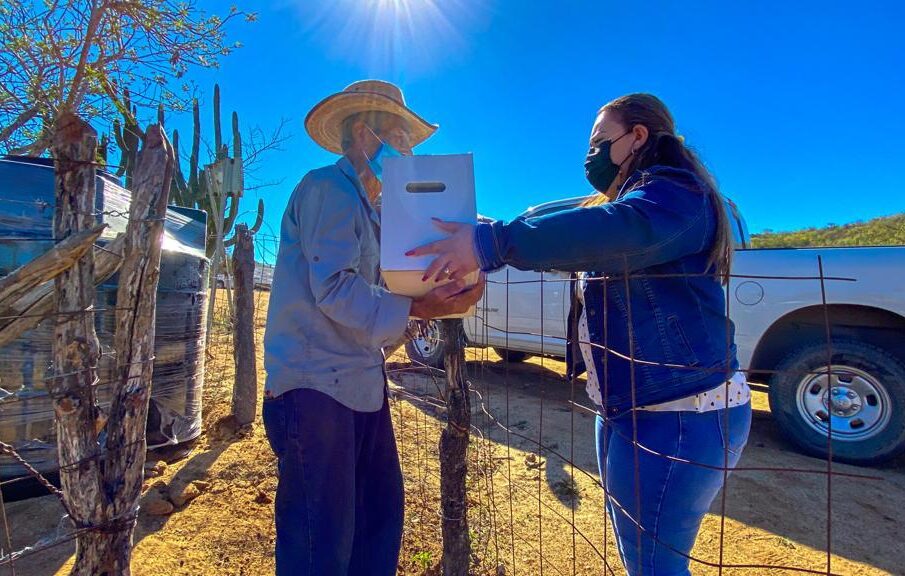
{"points": [[656, 303], [328, 318]]}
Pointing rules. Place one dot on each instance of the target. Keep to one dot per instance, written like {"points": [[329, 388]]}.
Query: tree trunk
{"points": [[245, 391], [75, 344], [453, 455]]}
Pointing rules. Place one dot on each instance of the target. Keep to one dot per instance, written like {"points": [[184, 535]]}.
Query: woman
{"points": [[653, 332]]}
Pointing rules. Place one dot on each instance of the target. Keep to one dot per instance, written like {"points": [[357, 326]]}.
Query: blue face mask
{"points": [[375, 163]]}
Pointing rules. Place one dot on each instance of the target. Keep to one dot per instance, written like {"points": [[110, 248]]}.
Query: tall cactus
{"points": [[128, 135], [103, 147], [217, 187]]}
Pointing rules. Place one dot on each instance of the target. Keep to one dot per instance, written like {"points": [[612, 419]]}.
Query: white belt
{"points": [[733, 393]]}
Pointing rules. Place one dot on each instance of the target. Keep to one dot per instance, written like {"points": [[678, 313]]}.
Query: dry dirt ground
{"points": [[531, 512]]}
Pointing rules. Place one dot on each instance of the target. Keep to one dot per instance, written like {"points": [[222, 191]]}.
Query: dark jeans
{"points": [[339, 499], [674, 495]]}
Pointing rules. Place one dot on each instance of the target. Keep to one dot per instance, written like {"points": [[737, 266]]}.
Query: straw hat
{"points": [[324, 121]]}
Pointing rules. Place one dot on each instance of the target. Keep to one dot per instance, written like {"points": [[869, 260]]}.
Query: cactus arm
{"points": [[218, 138], [237, 137], [194, 186], [233, 212], [102, 147], [259, 218], [179, 184], [120, 143]]}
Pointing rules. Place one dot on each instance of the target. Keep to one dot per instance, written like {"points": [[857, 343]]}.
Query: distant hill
{"points": [[885, 231]]}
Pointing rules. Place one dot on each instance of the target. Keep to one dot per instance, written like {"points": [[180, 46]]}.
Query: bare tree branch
{"points": [[265, 184], [20, 121], [97, 12], [259, 143], [67, 53]]}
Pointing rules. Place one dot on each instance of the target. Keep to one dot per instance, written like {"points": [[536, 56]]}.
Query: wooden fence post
{"points": [[245, 390], [453, 455], [75, 346], [134, 340], [102, 498]]}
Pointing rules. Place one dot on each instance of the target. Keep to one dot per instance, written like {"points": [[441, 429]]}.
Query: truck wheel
{"points": [[861, 398], [511, 355], [429, 348]]}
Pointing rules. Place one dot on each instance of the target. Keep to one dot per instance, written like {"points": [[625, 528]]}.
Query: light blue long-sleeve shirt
{"points": [[328, 319]]}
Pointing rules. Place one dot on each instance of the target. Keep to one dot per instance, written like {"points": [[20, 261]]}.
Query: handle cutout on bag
{"points": [[425, 187]]}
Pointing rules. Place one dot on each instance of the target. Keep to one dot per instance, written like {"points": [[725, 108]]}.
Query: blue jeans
{"points": [[672, 496], [339, 500]]}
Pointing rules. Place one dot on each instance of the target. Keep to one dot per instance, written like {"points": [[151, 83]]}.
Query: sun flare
{"points": [[389, 36]]}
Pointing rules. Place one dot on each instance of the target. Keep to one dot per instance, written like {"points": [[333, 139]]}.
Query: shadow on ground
{"points": [[41, 516], [774, 488]]}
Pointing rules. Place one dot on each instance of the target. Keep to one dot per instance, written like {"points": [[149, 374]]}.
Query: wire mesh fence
{"points": [[536, 501]]}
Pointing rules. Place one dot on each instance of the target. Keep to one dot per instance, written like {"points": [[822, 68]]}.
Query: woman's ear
{"points": [[641, 133]]}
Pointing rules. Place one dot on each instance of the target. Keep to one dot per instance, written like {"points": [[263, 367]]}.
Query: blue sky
{"points": [[797, 107]]}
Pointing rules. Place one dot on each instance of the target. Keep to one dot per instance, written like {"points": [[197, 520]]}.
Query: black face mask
{"points": [[599, 169]]}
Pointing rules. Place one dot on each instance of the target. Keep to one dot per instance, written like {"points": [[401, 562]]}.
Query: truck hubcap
{"points": [[427, 344], [848, 401]]}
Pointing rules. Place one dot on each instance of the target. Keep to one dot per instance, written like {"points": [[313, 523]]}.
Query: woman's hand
{"points": [[450, 298], [456, 256]]}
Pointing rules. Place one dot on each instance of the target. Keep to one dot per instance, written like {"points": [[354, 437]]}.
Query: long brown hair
{"points": [[666, 148]]}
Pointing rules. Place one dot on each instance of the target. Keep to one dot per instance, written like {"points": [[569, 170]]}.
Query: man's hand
{"points": [[456, 256], [451, 298]]}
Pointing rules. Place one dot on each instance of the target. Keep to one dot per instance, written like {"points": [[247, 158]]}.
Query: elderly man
{"points": [[340, 498]]}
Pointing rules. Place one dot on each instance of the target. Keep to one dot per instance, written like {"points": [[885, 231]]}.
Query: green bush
{"points": [[884, 231]]}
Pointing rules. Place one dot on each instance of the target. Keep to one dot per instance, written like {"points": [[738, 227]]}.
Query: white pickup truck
{"points": [[781, 333]]}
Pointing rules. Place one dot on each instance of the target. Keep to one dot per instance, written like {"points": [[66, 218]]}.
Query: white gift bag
{"points": [[416, 189]]}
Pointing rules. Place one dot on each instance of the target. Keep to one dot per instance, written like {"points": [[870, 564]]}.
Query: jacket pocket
{"points": [[681, 341]]}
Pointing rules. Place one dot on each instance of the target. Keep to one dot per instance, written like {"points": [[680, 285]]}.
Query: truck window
{"points": [[553, 207], [739, 232]]}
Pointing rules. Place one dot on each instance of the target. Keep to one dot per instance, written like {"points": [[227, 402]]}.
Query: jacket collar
{"points": [[680, 176]]}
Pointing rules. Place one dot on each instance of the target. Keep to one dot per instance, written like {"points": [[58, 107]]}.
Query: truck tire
{"points": [[428, 350], [862, 400], [511, 355]]}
